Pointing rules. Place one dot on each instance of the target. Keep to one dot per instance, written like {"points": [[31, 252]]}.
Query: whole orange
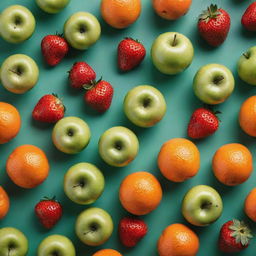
{"points": [[250, 205], [232, 164], [4, 203], [247, 116], [178, 240], [107, 252], [179, 159], [171, 9], [27, 166], [140, 193], [120, 13], [10, 122]]}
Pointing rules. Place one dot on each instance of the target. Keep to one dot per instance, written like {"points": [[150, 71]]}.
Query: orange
{"points": [[107, 252], [250, 205], [178, 240], [120, 13], [140, 193], [27, 166], [4, 203], [171, 9], [247, 116], [232, 164], [179, 159], [10, 122]]}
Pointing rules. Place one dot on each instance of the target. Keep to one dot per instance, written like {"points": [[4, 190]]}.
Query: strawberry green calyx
{"points": [[59, 101], [130, 38], [46, 198], [92, 84], [212, 12]]}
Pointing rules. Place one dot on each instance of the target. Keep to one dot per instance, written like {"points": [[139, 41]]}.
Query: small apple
{"points": [[84, 183], [71, 135], [94, 226], [52, 6], [19, 73], [13, 242], [202, 205], [246, 66], [144, 106], [213, 83], [118, 146], [17, 24], [56, 245], [82, 30], [172, 53]]}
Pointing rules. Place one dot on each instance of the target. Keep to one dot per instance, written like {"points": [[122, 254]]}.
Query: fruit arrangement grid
{"points": [[177, 120]]}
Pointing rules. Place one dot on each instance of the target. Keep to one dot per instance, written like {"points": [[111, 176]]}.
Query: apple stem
{"points": [[9, 250], [218, 79], [246, 55], [15, 72], [174, 40], [206, 205]]}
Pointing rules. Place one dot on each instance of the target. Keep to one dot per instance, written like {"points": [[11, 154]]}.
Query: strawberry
{"points": [[234, 236], [131, 231], [203, 123], [48, 211], [54, 48], [249, 17], [99, 95], [81, 74], [130, 54], [49, 109], [214, 25]]}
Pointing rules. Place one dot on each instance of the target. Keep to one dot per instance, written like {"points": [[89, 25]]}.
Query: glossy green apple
{"points": [[213, 83], [17, 24], [19, 73], [71, 135], [202, 205], [82, 30], [246, 66], [13, 242], [56, 245], [144, 106], [52, 6], [172, 53], [94, 226], [84, 183], [118, 146]]}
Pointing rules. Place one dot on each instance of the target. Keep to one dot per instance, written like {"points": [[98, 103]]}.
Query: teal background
{"points": [[181, 102]]}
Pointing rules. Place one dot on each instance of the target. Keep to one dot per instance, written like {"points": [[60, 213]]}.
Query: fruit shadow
{"points": [[239, 1], [245, 33], [242, 87], [40, 125]]}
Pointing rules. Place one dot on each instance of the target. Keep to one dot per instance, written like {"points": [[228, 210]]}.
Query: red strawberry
{"points": [[203, 123], [49, 212], [214, 25], [54, 49], [131, 231], [130, 54], [99, 95], [249, 17], [49, 109], [81, 74], [234, 236]]}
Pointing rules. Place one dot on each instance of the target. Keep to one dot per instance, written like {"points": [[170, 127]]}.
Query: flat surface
{"points": [[181, 102]]}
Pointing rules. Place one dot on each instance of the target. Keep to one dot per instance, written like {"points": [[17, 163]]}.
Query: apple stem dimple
{"points": [[218, 79], [206, 205], [81, 184], [246, 55], [174, 40]]}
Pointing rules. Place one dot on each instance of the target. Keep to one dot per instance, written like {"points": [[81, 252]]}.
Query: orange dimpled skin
{"points": [[120, 13], [27, 166], [178, 240], [250, 205], [107, 252], [10, 122], [232, 164], [179, 159], [140, 193], [171, 9], [4, 203]]}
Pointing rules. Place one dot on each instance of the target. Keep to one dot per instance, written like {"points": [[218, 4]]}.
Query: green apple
{"points": [[94, 226], [56, 245], [246, 66], [172, 53], [82, 30], [19, 73], [144, 106], [17, 24], [52, 6], [71, 135], [84, 183], [213, 83], [118, 146], [13, 242], [202, 205]]}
